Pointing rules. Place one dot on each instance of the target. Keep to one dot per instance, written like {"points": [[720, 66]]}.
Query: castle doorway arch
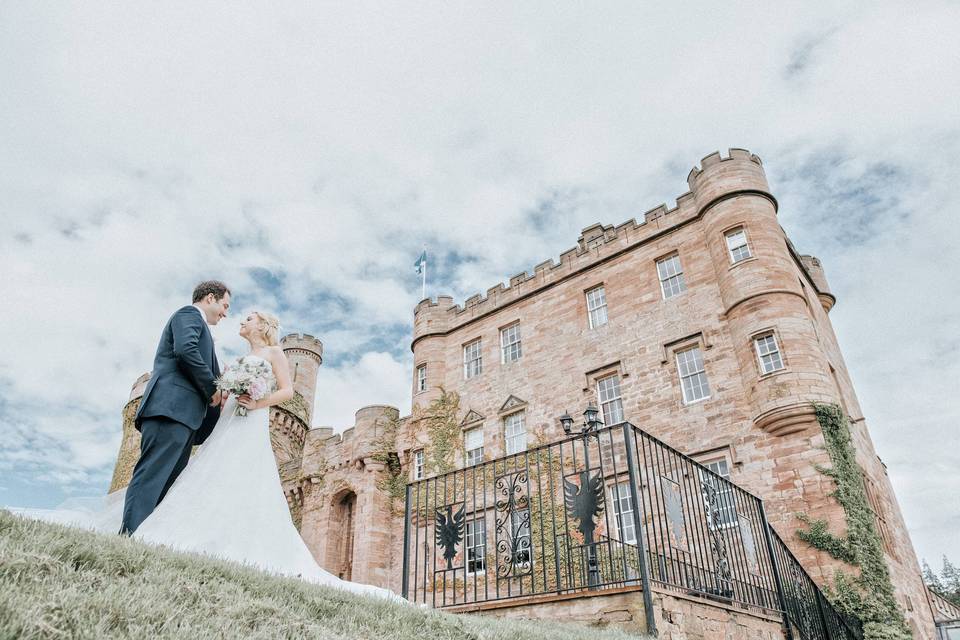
{"points": [[345, 506]]}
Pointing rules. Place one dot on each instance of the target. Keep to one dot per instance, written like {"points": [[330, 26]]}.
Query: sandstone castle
{"points": [[701, 325]]}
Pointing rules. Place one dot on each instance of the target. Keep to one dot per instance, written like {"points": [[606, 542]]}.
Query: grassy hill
{"points": [[59, 582]]}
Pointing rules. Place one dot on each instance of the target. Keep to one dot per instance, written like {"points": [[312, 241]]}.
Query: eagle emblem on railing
{"points": [[584, 502], [449, 532]]}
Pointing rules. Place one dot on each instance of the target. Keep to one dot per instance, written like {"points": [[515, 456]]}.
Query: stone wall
{"points": [[677, 616]]}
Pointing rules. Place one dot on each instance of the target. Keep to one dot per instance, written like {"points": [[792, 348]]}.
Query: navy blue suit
{"points": [[174, 413]]}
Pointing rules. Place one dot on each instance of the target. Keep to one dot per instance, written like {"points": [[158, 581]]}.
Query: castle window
{"points": [[510, 343], [880, 515], [473, 446], [737, 245], [418, 464], [623, 511], [671, 276], [515, 433], [520, 532], [608, 395], [726, 507], [472, 359], [693, 377], [597, 307], [421, 378], [769, 353], [475, 543]]}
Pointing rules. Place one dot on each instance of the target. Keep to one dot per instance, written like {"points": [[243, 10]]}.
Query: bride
{"points": [[228, 502]]}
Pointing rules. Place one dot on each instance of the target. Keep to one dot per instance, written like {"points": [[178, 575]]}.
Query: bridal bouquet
{"points": [[250, 377]]}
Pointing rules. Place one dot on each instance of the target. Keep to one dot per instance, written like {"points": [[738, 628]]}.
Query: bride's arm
{"points": [[281, 370]]}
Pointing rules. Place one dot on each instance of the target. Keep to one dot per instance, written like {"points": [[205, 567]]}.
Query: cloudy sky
{"points": [[305, 153]]}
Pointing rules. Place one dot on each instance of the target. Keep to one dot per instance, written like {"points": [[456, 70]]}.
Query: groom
{"points": [[181, 403]]}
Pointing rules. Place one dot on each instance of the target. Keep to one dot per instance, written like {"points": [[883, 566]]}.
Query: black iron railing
{"points": [[806, 609], [608, 509]]}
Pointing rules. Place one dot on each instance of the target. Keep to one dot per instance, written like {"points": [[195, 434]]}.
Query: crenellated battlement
{"points": [[355, 442], [716, 176], [303, 342]]}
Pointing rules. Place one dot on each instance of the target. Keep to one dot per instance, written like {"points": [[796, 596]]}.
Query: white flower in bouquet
{"points": [[251, 377]]}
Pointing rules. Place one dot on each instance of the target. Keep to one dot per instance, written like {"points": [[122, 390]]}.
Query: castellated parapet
{"points": [[717, 178]]}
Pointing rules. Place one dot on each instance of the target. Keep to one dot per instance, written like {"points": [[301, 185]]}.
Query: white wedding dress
{"points": [[228, 503]]}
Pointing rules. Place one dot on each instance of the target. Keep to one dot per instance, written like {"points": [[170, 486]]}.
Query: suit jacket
{"points": [[184, 370]]}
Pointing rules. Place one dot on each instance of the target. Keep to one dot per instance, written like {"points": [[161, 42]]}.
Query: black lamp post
{"points": [[587, 502]]}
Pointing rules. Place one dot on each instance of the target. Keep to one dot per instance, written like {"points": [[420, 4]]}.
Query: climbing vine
{"points": [[441, 418], [869, 595], [394, 481]]}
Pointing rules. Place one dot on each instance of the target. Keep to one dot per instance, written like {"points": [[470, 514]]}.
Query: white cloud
{"points": [[144, 149], [376, 378]]}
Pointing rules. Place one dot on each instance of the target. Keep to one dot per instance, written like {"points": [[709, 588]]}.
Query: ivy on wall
{"points": [[394, 481], [442, 420], [868, 595], [442, 425]]}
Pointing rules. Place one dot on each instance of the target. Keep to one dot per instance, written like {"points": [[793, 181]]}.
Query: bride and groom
{"points": [[227, 499]]}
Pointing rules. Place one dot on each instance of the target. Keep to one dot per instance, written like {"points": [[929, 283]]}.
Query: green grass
{"points": [[59, 582]]}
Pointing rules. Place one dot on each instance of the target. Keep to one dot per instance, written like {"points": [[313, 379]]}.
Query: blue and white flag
{"points": [[421, 262]]}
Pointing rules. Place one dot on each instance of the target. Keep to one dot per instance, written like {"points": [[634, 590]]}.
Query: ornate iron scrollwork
{"points": [[721, 562], [512, 519], [449, 532]]}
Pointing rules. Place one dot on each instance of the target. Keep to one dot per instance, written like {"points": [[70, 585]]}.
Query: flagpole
{"points": [[424, 294]]}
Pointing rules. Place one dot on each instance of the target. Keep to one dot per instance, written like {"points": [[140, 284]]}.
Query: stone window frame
{"points": [[702, 372], [781, 349], [668, 356], [518, 343], [420, 381], [618, 398], [742, 225], [730, 231], [619, 520], [479, 359], [871, 490], [419, 463], [679, 274], [506, 438], [467, 547], [590, 379], [713, 456], [478, 429], [601, 286]]}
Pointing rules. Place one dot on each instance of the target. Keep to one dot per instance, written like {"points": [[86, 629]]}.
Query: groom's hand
{"points": [[218, 399]]}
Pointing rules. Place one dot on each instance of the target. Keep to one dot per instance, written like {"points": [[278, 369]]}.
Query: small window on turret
{"points": [[737, 245], [768, 351], [421, 378]]}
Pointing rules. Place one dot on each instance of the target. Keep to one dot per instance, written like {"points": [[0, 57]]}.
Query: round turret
{"points": [[305, 355], [759, 283]]}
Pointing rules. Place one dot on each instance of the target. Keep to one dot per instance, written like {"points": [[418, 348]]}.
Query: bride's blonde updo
{"points": [[269, 327]]}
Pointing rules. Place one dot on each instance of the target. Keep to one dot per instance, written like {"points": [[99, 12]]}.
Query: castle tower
{"points": [[776, 292], [305, 354], [431, 321], [130, 445], [761, 293], [290, 421]]}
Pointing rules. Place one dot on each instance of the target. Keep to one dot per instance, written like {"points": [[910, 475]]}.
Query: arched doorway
{"points": [[342, 524]]}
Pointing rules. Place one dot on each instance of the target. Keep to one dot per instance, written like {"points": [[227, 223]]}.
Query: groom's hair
{"points": [[205, 288]]}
